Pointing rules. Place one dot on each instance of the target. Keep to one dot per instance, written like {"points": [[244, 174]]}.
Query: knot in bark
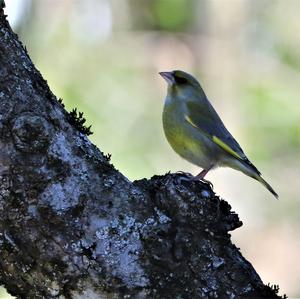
{"points": [[31, 133]]}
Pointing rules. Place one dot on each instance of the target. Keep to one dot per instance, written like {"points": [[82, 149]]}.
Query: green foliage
{"points": [[288, 56], [173, 15]]}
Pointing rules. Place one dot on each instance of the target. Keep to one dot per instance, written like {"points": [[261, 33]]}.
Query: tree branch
{"points": [[71, 226]]}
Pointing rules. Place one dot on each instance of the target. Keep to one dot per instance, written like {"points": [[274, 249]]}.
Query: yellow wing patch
{"points": [[216, 140], [225, 147], [188, 119]]}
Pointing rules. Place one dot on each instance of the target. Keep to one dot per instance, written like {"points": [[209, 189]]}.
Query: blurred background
{"points": [[103, 56]]}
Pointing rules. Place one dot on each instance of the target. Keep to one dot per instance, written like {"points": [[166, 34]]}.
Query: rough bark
{"points": [[71, 226]]}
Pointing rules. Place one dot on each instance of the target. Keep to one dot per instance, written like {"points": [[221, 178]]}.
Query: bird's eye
{"points": [[180, 80]]}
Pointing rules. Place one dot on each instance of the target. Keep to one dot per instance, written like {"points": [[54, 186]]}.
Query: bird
{"points": [[196, 132]]}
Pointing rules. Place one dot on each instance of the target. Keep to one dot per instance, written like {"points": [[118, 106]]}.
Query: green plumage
{"points": [[195, 131]]}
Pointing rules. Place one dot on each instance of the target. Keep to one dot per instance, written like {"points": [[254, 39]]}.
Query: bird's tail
{"points": [[249, 169], [253, 172], [267, 185]]}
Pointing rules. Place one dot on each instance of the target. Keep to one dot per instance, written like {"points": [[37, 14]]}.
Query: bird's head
{"points": [[180, 82]]}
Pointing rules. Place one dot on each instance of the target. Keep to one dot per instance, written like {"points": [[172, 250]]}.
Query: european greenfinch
{"points": [[195, 131]]}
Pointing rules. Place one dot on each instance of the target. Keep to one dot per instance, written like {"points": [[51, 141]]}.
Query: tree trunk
{"points": [[71, 226]]}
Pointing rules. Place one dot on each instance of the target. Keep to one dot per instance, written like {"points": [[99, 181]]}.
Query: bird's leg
{"points": [[201, 176], [203, 173]]}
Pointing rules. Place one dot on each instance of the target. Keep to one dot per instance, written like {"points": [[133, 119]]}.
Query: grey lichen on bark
{"points": [[72, 226]]}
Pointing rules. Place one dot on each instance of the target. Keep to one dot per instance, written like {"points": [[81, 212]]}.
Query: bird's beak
{"points": [[168, 76]]}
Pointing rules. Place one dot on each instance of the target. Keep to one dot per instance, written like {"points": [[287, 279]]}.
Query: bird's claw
{"points": [[206, 182], [185, 176]]}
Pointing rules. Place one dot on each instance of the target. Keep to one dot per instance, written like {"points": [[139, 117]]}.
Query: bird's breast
{"points": [[185, 140]]}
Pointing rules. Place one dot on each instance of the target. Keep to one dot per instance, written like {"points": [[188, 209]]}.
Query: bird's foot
{"points": [[206, 182], [185, 176]]}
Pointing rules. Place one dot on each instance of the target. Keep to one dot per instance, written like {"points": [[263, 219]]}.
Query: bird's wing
{"points": [[206, 119]]}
